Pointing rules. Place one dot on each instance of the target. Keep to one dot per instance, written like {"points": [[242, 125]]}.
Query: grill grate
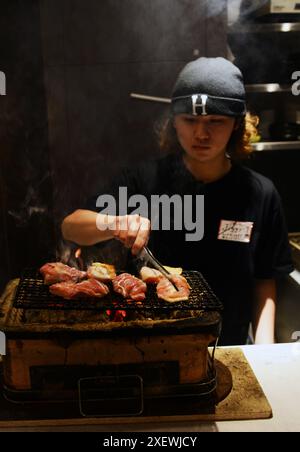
{"points": [[32, 293]]}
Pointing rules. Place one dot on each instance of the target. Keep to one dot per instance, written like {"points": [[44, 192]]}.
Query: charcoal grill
{"points": [[55, 347], [32, 293]]}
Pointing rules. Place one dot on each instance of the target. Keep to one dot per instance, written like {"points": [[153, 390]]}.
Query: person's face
{"points": [[204, 138]]}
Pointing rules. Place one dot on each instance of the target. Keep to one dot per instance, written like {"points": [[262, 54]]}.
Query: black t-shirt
{"points": [[230, 266]]}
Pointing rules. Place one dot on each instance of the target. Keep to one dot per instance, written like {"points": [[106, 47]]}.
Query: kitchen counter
{"points": [[277, 368]]}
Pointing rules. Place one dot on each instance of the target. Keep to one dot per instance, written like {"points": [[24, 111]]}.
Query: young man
{"points": [[245, 241]]}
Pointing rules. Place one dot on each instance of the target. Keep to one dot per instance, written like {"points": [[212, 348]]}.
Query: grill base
{"points": [[37, 343], [189, 351], [186, 401]]}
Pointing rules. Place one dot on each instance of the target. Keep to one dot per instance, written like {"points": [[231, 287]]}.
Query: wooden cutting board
{"points": [[246, 401]]}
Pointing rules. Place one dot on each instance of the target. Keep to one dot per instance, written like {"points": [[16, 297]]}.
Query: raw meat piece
{"points": [[166, 290], [130, 287], [58, 272], [89, 288]]}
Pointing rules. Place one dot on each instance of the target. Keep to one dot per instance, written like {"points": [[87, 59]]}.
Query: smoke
{"points": [[215, 8], [81, 257], [262, 57], [241, 10], [31, 206], [66, 253], [236, 9], [248, 7]]}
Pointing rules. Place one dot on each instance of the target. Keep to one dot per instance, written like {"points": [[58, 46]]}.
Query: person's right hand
{"points": [[133, 231]]}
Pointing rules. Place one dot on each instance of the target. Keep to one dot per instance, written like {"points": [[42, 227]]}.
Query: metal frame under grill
{"points": [[32, 293]]}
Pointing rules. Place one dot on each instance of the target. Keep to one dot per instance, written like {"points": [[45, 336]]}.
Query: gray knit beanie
{"points": [[209, 86]]}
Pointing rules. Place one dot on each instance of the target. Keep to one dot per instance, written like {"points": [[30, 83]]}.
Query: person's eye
{"points": [[189, 120], [216, 121]]}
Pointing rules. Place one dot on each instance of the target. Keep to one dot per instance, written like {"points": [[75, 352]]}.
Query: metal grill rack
{"points": [[32, 293]]}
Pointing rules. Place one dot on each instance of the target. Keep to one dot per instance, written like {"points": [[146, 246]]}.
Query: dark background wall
{"points": [[68, 120], [282, 167], [95, 55], [26, 188]]}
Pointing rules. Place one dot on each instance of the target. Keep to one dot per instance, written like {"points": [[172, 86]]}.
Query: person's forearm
{"points": [[263, 322], [82, 227]]}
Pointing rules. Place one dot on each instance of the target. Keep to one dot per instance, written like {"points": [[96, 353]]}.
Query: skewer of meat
{"points": [[58, 272], [130, 287]]}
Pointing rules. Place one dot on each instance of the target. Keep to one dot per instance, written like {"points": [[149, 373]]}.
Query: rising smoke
{"points": [[240, 10], [237, 9], [31, 205]]}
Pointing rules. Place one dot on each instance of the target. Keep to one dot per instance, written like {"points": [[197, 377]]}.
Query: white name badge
{"points": [[235, 231]]}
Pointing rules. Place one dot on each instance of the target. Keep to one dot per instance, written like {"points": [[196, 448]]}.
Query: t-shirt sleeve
{"points": [[273, 255]]}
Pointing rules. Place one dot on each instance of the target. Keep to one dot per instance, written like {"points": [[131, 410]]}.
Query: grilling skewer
{"points": [[146, 256]]}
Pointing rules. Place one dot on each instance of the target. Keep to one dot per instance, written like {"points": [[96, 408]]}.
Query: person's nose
{"points": [[201, 132]]}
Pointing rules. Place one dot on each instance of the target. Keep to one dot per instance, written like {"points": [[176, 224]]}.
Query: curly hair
{"points": [[239, 146]]}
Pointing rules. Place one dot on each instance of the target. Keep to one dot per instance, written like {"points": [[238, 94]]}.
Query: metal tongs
{"points": [[146, 256]]}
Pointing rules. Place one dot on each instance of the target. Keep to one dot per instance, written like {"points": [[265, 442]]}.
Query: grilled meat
{"points": [[130, 287], [166, 290], [150, 275], [58, 272], [101, 272], [88, 288]]}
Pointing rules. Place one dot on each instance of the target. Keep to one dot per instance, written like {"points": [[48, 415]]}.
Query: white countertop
{"points": [[277, 368]]}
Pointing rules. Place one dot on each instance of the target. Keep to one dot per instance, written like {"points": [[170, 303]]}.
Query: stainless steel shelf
{"points": [[285, 27], [268, 88], [276, 145]]}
